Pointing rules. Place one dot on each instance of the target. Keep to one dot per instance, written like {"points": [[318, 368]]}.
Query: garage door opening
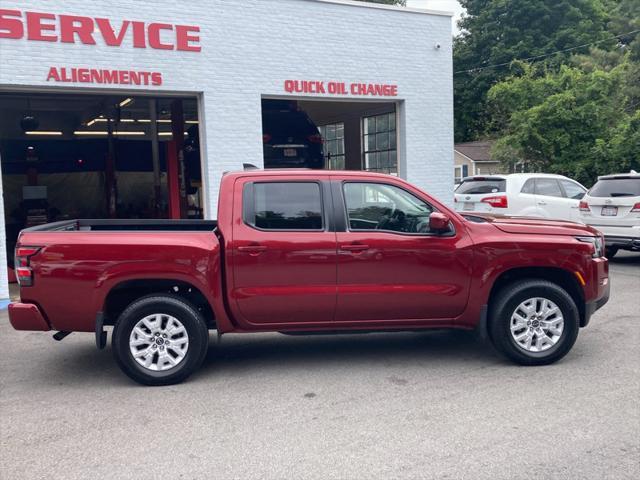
{"points": [[334, 135], [68, 156]]}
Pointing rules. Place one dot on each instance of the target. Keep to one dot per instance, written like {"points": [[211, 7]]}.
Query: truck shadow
{"points": [[80, 365], [263, 352], [626, 258]]}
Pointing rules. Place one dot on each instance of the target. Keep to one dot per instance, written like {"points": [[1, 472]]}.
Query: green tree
{"points": [[495, 32], [622, 152], [625, 17], [569, 121]]}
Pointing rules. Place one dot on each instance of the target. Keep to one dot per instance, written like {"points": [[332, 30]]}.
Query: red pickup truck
{"points": [[308, 252]]}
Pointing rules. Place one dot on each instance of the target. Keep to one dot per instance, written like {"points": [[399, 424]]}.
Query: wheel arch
{"points": [[121, 295], [559, 276]]}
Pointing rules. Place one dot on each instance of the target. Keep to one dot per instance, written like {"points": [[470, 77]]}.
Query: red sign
{"points": [[341, 88], [104, 76], [49, 27]]}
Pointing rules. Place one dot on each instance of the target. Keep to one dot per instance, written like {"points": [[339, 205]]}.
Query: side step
{"points": [[59, 336]]}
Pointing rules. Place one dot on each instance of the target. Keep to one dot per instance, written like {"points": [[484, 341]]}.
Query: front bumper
{"points": [[593, 306], [27, 316]]}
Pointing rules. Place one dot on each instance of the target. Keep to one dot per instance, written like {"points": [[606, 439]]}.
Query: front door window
{"points": [[377, 206]]}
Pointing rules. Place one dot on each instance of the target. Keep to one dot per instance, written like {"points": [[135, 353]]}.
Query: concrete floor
{"points": [[405, 405]]}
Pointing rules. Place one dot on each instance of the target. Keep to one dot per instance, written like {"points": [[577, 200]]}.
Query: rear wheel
{"points": [[533, 322], [160, 340], [610, 252]]}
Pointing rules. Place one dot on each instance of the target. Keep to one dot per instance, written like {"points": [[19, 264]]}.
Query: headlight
{"points": [[597, 243]]}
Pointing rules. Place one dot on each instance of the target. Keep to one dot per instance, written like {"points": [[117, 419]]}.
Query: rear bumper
{"points": [[26, 316], [306, 158], [624, 242]]}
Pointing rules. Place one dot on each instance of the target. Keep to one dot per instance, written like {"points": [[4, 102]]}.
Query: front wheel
{"points": [[160, 340], [610, 252], [533, 322]]}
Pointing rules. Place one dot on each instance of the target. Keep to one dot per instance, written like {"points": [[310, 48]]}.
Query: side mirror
{"points": [[439, 222]]}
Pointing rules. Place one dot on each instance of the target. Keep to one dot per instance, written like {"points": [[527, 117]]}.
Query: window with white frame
{"points": [[459, 172], [379, 143], [333, 136]]}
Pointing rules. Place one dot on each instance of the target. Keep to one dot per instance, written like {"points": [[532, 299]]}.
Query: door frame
{"points": [[244, 205]]}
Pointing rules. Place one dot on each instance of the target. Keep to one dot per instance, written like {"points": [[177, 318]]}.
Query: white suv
{"points": [[613, 207], [521, 194]]}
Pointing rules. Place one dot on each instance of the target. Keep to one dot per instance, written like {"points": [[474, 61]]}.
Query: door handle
{"points": [[252, 249], [542, 203], [354, 247]]}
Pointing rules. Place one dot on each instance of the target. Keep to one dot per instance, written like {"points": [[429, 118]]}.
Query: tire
{"points": [[173, 319], [610, 252], [509, 308]]}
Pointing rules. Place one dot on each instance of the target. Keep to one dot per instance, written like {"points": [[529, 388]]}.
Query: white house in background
{"points": [[474, 158]]}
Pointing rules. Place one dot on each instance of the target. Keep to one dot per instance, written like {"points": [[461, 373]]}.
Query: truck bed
{"points": [[79, 262], [160, 225]]}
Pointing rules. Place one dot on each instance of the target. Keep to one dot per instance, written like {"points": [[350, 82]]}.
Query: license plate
{"points": [[290, 152], [468, 206], [609, 211]]}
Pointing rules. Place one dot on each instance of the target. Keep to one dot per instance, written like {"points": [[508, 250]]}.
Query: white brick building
{"points": [[231, 54]]}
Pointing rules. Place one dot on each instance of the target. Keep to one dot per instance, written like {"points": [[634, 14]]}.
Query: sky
{"points": [[446, 5]]}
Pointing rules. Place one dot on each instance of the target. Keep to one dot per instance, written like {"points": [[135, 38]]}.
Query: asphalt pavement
{"points": [[404, 405]]}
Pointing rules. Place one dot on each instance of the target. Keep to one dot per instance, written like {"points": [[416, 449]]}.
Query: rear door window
{"points": [[548, 187], [284, 206], [573, 190], [529, 186], [484, 185], [616, 187]]}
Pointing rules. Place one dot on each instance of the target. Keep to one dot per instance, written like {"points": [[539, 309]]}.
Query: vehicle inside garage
{"points": [[68, 156], [336, 135]]}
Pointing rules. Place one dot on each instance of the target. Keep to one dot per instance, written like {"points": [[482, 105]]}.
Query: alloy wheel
{"points": [[159, 342], [537, 324]]}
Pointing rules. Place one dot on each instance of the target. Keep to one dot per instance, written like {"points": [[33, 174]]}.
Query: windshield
{"points": [[616, 187], [484, 185]]}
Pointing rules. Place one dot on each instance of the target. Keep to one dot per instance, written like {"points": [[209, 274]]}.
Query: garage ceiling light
{"points": [[138, 120], [104, 120], [168, 134], [167, 120], [43, 132], [125, 102], [146, 120], [103, 133]]}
